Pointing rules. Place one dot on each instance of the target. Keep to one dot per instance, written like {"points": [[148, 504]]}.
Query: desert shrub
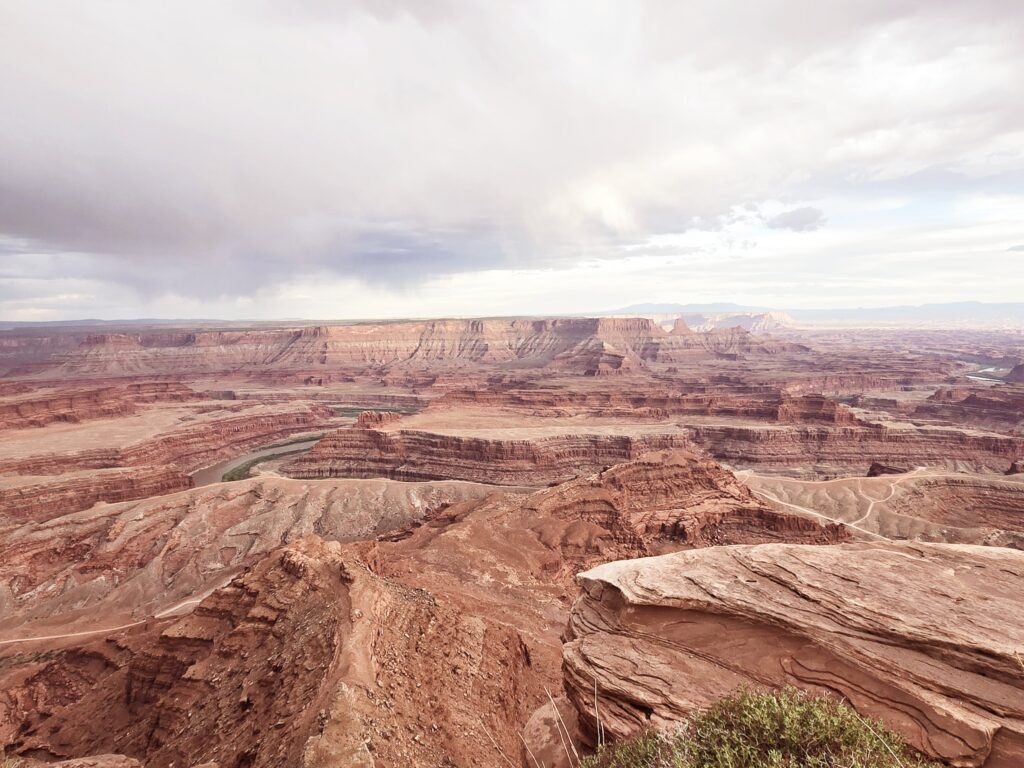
{"points": [[755, 729]]}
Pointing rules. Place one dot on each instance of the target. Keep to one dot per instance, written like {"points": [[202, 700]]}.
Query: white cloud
{"points": [[397, 144]]}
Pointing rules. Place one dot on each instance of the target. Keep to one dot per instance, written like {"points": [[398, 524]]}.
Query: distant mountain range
{"points": [[964, 314]]}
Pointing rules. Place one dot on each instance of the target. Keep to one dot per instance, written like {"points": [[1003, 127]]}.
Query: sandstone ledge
{"points": [[926, 637]]}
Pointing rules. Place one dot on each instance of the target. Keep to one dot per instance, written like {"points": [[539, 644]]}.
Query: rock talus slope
{"points": [[926, 637]]}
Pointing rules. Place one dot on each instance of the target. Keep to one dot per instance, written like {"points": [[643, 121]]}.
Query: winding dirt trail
{"points": [[814, 513], [855, 484]]}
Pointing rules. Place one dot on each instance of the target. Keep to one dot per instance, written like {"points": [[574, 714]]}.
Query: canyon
{"points": [[436, 534]]}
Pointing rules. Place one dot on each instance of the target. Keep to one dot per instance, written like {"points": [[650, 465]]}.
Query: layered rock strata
{"points": [[186, 448], [820, 450], [44, 498], [925, 637], [415, 455], [592, 346]]}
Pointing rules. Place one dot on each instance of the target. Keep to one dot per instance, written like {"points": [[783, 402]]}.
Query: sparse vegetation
{"points": [[782, 729]]}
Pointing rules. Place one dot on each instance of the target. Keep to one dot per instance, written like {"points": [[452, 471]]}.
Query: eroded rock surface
{"points": [[926, 637], [434, 643]]}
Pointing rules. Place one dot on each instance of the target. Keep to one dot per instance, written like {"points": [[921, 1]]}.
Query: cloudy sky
{"points": [[284, 158]]}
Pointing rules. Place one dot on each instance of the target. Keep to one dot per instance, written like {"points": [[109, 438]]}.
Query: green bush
{"points": [[781, 729]]}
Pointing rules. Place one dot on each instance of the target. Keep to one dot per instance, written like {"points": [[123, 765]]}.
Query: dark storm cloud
{"points": [[221, 147], [805, 219]]}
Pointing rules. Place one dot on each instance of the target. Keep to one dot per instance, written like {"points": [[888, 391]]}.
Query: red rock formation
{"points": [[96, 761], [931, 648], [47, 406], [371, 419], [40, 409], [441, 650], [414, 455], [814, 409], [650, 402], [999, 407], [822, 450], [680, 328], [672, 499], [1016, 375], [39, 499], [587, 345], [966, 501], [241, 680]]}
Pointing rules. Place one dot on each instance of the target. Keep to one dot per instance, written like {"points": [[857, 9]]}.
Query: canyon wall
{"points": [[415, 455], [41, 499], [196, 444], [819, 450], [592, 346]]}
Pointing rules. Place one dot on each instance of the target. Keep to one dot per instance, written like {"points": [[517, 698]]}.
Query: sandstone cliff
{"points": [[199, 442], [415, 455], [672, 499], [591, 346], [810, 450], [924, 637], [41, 499]]}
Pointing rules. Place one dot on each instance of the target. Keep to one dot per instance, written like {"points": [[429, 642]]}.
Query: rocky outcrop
{"points": [[37, 408], [965, 501], [926, 638], [814, 409], [746, 402], [241, 679], [1016, 375], [192, 447], [96, 761], [831, 451], [415, 455], [40, 499], [40, 409], [672, 499], [372, 419], [991, 407]]}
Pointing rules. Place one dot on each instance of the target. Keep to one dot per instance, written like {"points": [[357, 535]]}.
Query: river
{"points": [[213, 474]]}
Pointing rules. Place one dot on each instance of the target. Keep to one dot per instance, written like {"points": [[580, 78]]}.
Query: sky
{"points": [[261, 159]]}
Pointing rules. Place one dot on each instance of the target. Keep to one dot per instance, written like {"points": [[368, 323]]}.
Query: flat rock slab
{"points": [[929, 638]]}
